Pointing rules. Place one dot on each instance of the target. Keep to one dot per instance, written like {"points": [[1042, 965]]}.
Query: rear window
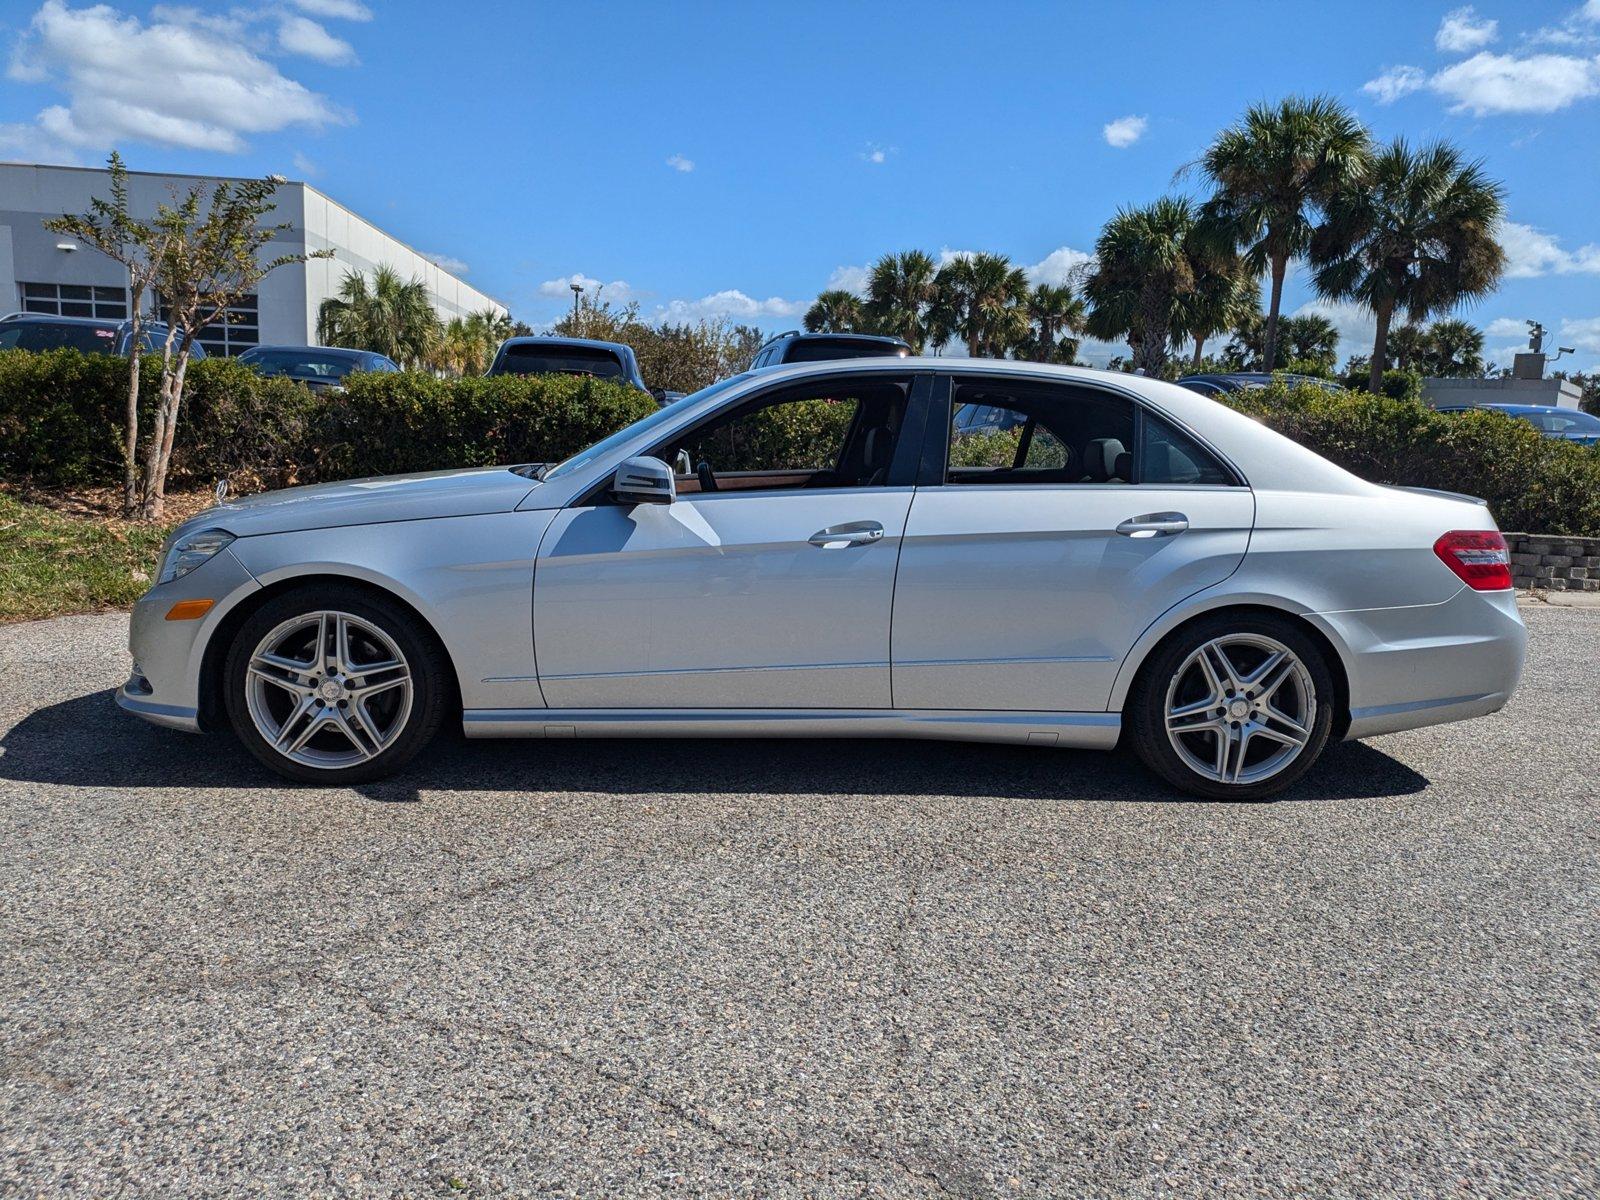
{"points": [[46, 335], [559, 360], [301, 365], [825, 350]]}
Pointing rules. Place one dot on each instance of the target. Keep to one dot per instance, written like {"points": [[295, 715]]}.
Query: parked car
{"points": [[568, 356], [320, 368], [797, 347], [88, 335], [1568, 424], [1236, 381], [1142, 566]]}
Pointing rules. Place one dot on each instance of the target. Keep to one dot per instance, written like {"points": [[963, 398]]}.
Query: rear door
{"points": [[1047, 534]]}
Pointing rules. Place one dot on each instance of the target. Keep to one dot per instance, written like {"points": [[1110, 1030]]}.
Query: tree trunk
{"points": [[1280, 266], [1199, 351], [130, 433], [1380, 349], [158, 458]]}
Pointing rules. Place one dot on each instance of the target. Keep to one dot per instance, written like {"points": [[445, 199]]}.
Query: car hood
{"points": [[370, 501]]}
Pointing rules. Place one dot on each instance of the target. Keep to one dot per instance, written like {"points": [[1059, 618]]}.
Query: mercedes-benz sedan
{"points": [[841, 550]]}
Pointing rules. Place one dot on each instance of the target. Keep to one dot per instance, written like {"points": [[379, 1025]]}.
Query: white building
{"points": [[44, 272]]}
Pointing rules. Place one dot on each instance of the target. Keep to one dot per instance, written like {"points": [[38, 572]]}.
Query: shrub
{"points": [[1397, 385], [1531, 482]]}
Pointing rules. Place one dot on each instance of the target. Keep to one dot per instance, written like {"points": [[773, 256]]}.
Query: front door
{"points": [[1066, 520], [767, 584]]}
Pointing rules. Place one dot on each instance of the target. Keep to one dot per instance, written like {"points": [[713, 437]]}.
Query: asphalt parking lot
{"points": [[792, 969]]}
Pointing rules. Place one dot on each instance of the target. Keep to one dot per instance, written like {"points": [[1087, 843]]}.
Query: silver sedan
{"points": [[964, 549]]}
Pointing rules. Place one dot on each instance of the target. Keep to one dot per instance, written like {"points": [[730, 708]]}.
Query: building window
{"points": [[235, 332], [75, 300]]}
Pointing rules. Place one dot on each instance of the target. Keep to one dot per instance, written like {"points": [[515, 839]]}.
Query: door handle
{"points": [[857, 533], [1163, 524]]}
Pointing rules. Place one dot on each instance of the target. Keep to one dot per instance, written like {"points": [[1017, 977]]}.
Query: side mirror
{"points": [[644, 481]]}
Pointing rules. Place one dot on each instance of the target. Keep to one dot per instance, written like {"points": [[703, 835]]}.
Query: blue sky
{"points": [[710, 158]]}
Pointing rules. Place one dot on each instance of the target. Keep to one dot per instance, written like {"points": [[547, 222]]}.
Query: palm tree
{"points": [[900, 291], [1145, 268], [1418, 236], [1310, 339], [1056, 316], [836, 311], [980, 298], [1272, 171], [391, 316], [1225, 294], [1453, 350], [1409, 342]]}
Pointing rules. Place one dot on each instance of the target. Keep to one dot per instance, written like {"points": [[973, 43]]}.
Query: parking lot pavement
{"points": [[794, 969]]}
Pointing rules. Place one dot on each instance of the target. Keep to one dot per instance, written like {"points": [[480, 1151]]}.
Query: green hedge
{"points": [[61, 421], [1532, 483]]}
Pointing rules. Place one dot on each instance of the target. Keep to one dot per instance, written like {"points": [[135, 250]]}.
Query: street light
{"points": [[577, 290]]}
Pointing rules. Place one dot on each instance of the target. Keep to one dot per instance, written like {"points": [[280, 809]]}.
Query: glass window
{"points": [[234, 332], [48, 335], [1169, 456], [75, 300], [1008, 433], [536, 359], [661, 416], [827, 434], [827, 349]]}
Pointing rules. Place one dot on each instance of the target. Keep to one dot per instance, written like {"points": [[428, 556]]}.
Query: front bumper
{"points": [[1430, 664], [165, 685]]}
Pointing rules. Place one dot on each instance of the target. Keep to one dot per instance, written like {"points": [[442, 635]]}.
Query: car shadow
{"points": [[88, 742]]}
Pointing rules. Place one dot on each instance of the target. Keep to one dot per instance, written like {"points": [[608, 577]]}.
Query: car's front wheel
{"points": [[1234, 707], [334, 685]]}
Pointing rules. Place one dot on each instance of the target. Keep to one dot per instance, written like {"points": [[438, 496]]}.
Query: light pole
{"points": [[577, 290]]}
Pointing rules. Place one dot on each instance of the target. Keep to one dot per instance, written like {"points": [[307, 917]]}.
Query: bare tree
{"points": [[110, 228]]}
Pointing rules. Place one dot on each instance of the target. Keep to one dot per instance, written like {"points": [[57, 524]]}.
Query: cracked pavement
{"points": [[794, 969]]}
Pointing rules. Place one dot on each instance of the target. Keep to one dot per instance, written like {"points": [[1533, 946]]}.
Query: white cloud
{"points": [[1532, 252], [1124, 131], [1394, 83], [730, 303], [28, 143], [849, 279], [1463, 30], [172, 82], [339, 10], [679, 163], [618, 290], [948, 256], [1581, 334], [305, 166], [1506, 327], [303, 36], [1065, 265], [1487, 84], [445, 262], [876, 154]]}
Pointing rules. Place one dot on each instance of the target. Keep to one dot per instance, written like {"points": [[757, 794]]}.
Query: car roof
{"points": [[347, 350], [37, 318], [1523, 408], [592, 343]]}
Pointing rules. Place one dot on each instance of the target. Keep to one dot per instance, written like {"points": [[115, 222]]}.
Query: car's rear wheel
{"points": [[334, 685], [1234, 707]]}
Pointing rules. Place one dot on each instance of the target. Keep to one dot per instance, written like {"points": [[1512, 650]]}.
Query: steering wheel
{"points": [[708, 478]]}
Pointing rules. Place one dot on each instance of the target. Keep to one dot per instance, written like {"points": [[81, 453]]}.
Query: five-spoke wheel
{"points": [[333, 685], [1233, 707]]}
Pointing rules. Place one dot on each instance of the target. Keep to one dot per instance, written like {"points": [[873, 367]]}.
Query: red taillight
{"points": [[1479, 558]]}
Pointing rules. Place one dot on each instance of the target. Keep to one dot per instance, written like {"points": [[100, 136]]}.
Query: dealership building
{"points": [[44, 272]]}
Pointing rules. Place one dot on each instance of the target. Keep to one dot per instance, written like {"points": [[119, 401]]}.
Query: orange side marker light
{"points": [[189, 610]]}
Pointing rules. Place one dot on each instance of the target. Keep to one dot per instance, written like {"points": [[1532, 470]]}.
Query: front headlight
{"points": [[192, 550]]}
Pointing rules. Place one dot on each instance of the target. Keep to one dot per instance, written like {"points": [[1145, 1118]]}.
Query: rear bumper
{"points": [[1430, 664]]}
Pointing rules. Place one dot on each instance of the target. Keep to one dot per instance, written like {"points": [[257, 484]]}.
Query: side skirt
{"points": [[1093, 731]]}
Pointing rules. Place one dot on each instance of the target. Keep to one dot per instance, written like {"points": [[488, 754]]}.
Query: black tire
{"points": [[1145, 715], [431, 691]]}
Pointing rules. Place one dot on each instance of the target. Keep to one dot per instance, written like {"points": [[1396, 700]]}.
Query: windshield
{"points": [[660, 417], [559, 360], [302, 364], [45, 335]]}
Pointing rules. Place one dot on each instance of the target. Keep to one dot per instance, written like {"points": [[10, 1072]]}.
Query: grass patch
{"points": [[53, 563]]}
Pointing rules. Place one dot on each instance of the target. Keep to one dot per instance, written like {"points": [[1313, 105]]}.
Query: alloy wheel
{"points": [[1240, 709], [328, 690]]}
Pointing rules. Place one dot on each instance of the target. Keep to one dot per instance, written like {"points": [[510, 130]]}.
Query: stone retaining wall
{"points": [[1561, 564]]}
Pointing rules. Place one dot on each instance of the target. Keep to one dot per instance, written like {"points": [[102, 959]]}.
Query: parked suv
{"points": [[320, 368], [40, 331], [568, 356], [794, 346]]}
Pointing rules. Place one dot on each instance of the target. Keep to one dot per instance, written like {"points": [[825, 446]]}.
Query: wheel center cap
{"points": [[331, 689], [1239, 708]]}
